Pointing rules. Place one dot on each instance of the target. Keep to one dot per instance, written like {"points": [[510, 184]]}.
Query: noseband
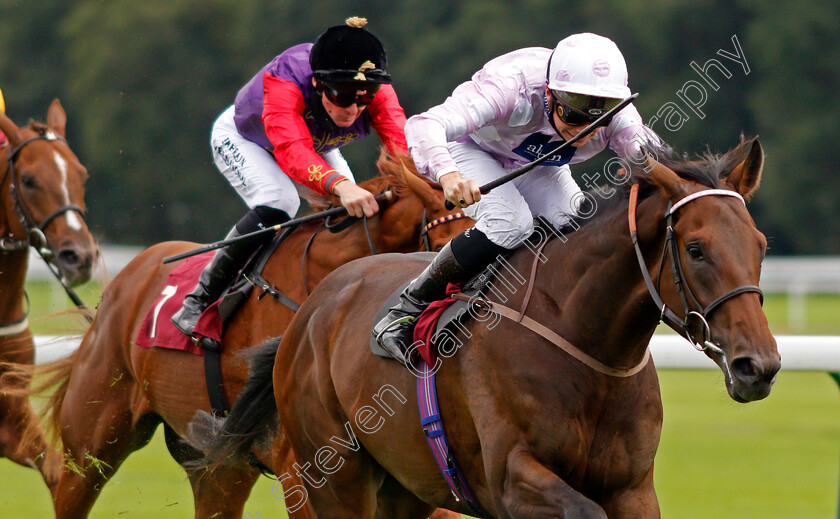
{"points": [[34, 230], [700, 312]]}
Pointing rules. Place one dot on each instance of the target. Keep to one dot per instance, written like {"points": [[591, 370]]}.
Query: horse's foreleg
{"points": [[532, 490], [395, 502], [637, 502]]}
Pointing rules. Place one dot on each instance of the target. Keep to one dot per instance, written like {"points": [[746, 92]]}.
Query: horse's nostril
{"points": [[69, 257], [745, 369]]}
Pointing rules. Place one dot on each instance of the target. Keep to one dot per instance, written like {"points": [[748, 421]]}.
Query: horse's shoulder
{"points": [[393, 262], [372, 274]]}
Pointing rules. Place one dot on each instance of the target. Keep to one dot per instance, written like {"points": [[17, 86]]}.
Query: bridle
{"points": [[428, 226], [693, 308], [35, 231]]}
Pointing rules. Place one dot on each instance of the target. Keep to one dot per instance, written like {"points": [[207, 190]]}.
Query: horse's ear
{"points": [[10, 129], [747, 175], [57, 118], [671, 184], [428, 196]]}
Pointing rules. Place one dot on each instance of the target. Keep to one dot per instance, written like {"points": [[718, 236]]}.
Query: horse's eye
{"points": [[695, 251], [28, 181]]}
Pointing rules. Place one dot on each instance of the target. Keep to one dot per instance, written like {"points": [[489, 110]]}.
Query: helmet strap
{"points": [[319, 112], [549, 113]]}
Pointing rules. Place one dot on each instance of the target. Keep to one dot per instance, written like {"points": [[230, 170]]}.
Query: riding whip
{"points": [[335, 211]]}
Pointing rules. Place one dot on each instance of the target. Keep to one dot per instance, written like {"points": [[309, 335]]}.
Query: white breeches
{"points": [[506, 214], [252, 170]]}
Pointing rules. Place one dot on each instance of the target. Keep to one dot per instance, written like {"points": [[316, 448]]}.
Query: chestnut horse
{"points": [[42, 205], [131, 390], [539, 427]]}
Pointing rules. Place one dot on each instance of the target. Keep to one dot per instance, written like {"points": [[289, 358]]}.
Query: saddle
{"points": [[437, 329], [158, 331]]}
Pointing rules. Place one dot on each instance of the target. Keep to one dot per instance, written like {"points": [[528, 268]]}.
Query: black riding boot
{"points": [[227, 261], [395, 331], [463, 257]]}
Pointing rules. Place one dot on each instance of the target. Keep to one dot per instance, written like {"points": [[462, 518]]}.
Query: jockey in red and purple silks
{"points": [[287, 125], [281, 110]]}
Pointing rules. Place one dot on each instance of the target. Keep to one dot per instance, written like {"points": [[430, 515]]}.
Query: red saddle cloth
{"points": [[3, 139], [424, 329], [157, 330]]}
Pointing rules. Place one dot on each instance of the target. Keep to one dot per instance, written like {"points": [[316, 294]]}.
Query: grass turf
{"points": [[777, 458]]}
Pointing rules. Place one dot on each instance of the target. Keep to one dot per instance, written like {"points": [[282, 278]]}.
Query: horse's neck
{"points": [[593, 291], [328, 251], [13, 264], [12, 276]]}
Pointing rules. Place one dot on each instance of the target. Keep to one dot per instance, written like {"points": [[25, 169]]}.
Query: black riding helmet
{"points": [[348, 54]]}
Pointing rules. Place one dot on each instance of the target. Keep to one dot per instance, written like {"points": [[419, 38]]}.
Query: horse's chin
{"points": [[73, 276], [744, 395]]}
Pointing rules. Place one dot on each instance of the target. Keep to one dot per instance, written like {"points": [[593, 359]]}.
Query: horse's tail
{"points": [[252, 419], [51, 382]]}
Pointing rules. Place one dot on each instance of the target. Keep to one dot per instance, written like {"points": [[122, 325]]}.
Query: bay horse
{"points": [[131, 390], [538, 430], [41, 205]]}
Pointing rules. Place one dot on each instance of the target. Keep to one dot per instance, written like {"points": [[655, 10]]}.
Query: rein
{"points": [[667, 315], [35, 236], [333, 228], [548, 334]]}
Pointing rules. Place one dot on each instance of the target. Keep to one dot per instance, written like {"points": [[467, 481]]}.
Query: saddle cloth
{"points": [[157, 329]]}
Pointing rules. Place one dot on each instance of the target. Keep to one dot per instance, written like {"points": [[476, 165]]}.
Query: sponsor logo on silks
{"points": [[367, 65], [536, 145]]}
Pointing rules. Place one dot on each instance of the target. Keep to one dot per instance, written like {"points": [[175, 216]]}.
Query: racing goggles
{"points": [[345, 95], [580, 109]]}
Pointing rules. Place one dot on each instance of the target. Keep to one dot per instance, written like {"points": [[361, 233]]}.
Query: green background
{"points": [[143, 82]]}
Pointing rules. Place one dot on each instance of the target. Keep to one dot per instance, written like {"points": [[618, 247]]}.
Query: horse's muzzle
{"points": [[753, 377], [75, 263]]}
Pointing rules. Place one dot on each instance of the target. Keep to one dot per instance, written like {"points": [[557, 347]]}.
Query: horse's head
{"points": [[43, 195], [717, 252], [438, 224]]}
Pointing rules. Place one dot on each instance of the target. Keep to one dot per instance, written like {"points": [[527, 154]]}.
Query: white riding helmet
{"points": [[588, 64]]}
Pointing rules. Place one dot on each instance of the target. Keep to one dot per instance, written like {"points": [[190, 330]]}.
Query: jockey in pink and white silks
{"points": [[517, 108]]}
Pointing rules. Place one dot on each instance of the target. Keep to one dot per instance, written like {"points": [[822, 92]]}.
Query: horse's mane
{"points": [[392, 171], [706, 169]]}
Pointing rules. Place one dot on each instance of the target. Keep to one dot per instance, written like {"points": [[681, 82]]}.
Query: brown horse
{"points": [[42, 205], [539, 430], [131, 390]]}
